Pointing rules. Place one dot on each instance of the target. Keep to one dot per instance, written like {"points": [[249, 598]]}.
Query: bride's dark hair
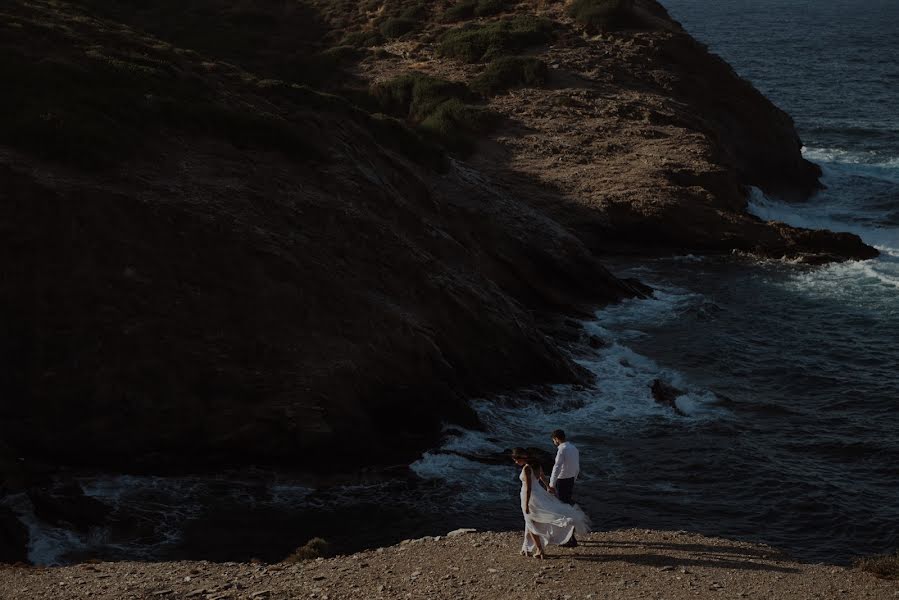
{"points": [[534, 463], [529, 459]]}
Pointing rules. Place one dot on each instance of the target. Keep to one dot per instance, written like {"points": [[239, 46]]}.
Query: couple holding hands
{"points": [[550, 515]]}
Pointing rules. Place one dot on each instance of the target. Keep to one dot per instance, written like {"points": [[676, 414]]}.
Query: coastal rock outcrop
{"points": [[66, 505], [13, 538], [666, 395], [643, 142], [234, 269]]}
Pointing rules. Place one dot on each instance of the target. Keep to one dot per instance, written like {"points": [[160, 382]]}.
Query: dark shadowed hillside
{"points": [[204, 263]]}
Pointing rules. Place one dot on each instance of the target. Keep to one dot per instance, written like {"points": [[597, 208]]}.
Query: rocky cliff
{"points": [[232, 232], [204, 265]]}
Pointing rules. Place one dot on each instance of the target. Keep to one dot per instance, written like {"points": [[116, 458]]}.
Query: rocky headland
{"points": [[234, 233]]}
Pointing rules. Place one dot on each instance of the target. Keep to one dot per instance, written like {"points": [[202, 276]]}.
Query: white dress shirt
{"points": [[568, 463]]}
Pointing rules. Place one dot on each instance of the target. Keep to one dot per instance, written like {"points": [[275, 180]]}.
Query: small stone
{"points": [[462, 531], [667, 568], [492, 571]]}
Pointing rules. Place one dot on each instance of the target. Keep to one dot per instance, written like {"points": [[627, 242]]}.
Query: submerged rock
{"points": [[666, 395], [13, 538], [67, 505]]}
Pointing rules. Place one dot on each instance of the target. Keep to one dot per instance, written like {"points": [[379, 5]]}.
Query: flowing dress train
{"points": [[553, 521]]}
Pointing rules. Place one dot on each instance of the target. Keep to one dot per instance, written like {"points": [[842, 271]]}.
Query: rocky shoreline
{"points": [[486, 566]]}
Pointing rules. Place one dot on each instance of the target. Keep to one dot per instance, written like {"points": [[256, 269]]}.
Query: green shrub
{"points": [[485, 8], [508, 72], [599, 14], [461, 11], [314, 548], [417, 11], [886, 566], [456, 124], [466, 9], [358, 105], [339, 55], [481, 42], [398, 27], [416, 95], [437, 108], [363, 39], [393, 133], [101, 112]]}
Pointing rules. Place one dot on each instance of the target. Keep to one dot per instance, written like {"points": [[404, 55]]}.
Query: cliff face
{"points": [[206, 261], [641, 141], [179, 290]]}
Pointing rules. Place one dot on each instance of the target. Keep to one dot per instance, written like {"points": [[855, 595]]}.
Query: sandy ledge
{"points": [[614, 565]]}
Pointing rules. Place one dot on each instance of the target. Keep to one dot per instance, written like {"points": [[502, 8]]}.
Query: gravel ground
{"points": [[615, 565]]}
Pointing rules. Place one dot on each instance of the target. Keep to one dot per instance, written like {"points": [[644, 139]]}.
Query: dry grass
{"points": [[886, 565]]}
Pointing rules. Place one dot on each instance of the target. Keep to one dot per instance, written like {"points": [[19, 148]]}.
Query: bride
{"points": [[547, 520]]}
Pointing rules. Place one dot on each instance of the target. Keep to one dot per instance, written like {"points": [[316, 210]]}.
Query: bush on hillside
{"points": [[393, 133], [456, 124], [439, 109], [486, 8], [398, 27], [481, 42], [600, 14], [508, 72], [97, 114], [416, 95], [467, 9], [416, 11], [339, 55], [363, 39], [314, 548], [886, 566]]}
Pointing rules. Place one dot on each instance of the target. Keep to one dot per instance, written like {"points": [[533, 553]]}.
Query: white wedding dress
{"points": [[553, 521]]}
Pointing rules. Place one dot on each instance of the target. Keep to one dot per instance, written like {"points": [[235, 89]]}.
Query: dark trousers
{"points": [[565, 493], [565, 490]]}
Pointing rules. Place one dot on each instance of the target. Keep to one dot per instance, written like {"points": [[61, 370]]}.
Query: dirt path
{"points": [[616, 565]]}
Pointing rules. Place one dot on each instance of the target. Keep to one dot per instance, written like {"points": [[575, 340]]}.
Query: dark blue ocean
{"points": [[791, 373]]}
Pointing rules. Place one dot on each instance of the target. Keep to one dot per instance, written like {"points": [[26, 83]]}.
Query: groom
{"points": [[565, 471]]}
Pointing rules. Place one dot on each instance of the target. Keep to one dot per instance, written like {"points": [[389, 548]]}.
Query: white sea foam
{"points": [[850, 280], [620, 399], [819, 215], [47, 544], [843, 161]]}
